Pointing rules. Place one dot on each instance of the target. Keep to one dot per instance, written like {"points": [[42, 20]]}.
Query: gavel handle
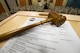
{"points": [[12, 33]]}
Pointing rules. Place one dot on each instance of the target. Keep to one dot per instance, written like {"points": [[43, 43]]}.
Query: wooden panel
{"points": [[30, 2], [1, 8], [10, 25], [22, 2], [59, 3]]}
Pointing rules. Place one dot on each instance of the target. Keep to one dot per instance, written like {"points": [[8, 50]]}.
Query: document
{"points": [[45, 38]]}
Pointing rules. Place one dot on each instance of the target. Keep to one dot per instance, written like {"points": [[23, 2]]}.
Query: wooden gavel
{"points": [[53, 17]]}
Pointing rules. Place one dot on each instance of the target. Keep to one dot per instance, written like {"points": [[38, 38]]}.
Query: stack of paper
{"points": [[44, 38]]}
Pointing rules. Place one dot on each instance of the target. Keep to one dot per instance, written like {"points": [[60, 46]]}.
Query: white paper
{"points": [[28, 22], [45, 38]]}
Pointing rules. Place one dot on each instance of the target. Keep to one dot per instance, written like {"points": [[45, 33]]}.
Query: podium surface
{"points": [[16, 20]]}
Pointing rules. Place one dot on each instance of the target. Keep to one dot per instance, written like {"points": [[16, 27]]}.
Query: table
{"points": [[17, 19]]}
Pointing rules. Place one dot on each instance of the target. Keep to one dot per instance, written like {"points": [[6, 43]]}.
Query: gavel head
{"points": [[57, 19]]}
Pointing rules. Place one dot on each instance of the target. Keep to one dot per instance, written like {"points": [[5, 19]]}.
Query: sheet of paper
{"points": [[31, 20], [45, 38]]}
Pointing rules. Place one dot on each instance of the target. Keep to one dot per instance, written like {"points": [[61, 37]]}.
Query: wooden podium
{"points": [[17, 19]]}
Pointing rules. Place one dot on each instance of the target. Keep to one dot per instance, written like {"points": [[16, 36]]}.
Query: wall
{"points": [[1, 8], [34, 2], [11, 3], [74, 3], [22, 2], [51, 4], [4, 6], [26, 1], [65, 2]]}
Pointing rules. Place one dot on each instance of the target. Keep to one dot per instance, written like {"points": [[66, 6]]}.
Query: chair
{"points": [[22, 8], [53, 9], [56, 9], [33, 8], [47, 10], [40, 9], [28, 8], [78, 11], [73, 11], [18, 8], [59, 9], [65, 10], [13, 10], [0, 18]]}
